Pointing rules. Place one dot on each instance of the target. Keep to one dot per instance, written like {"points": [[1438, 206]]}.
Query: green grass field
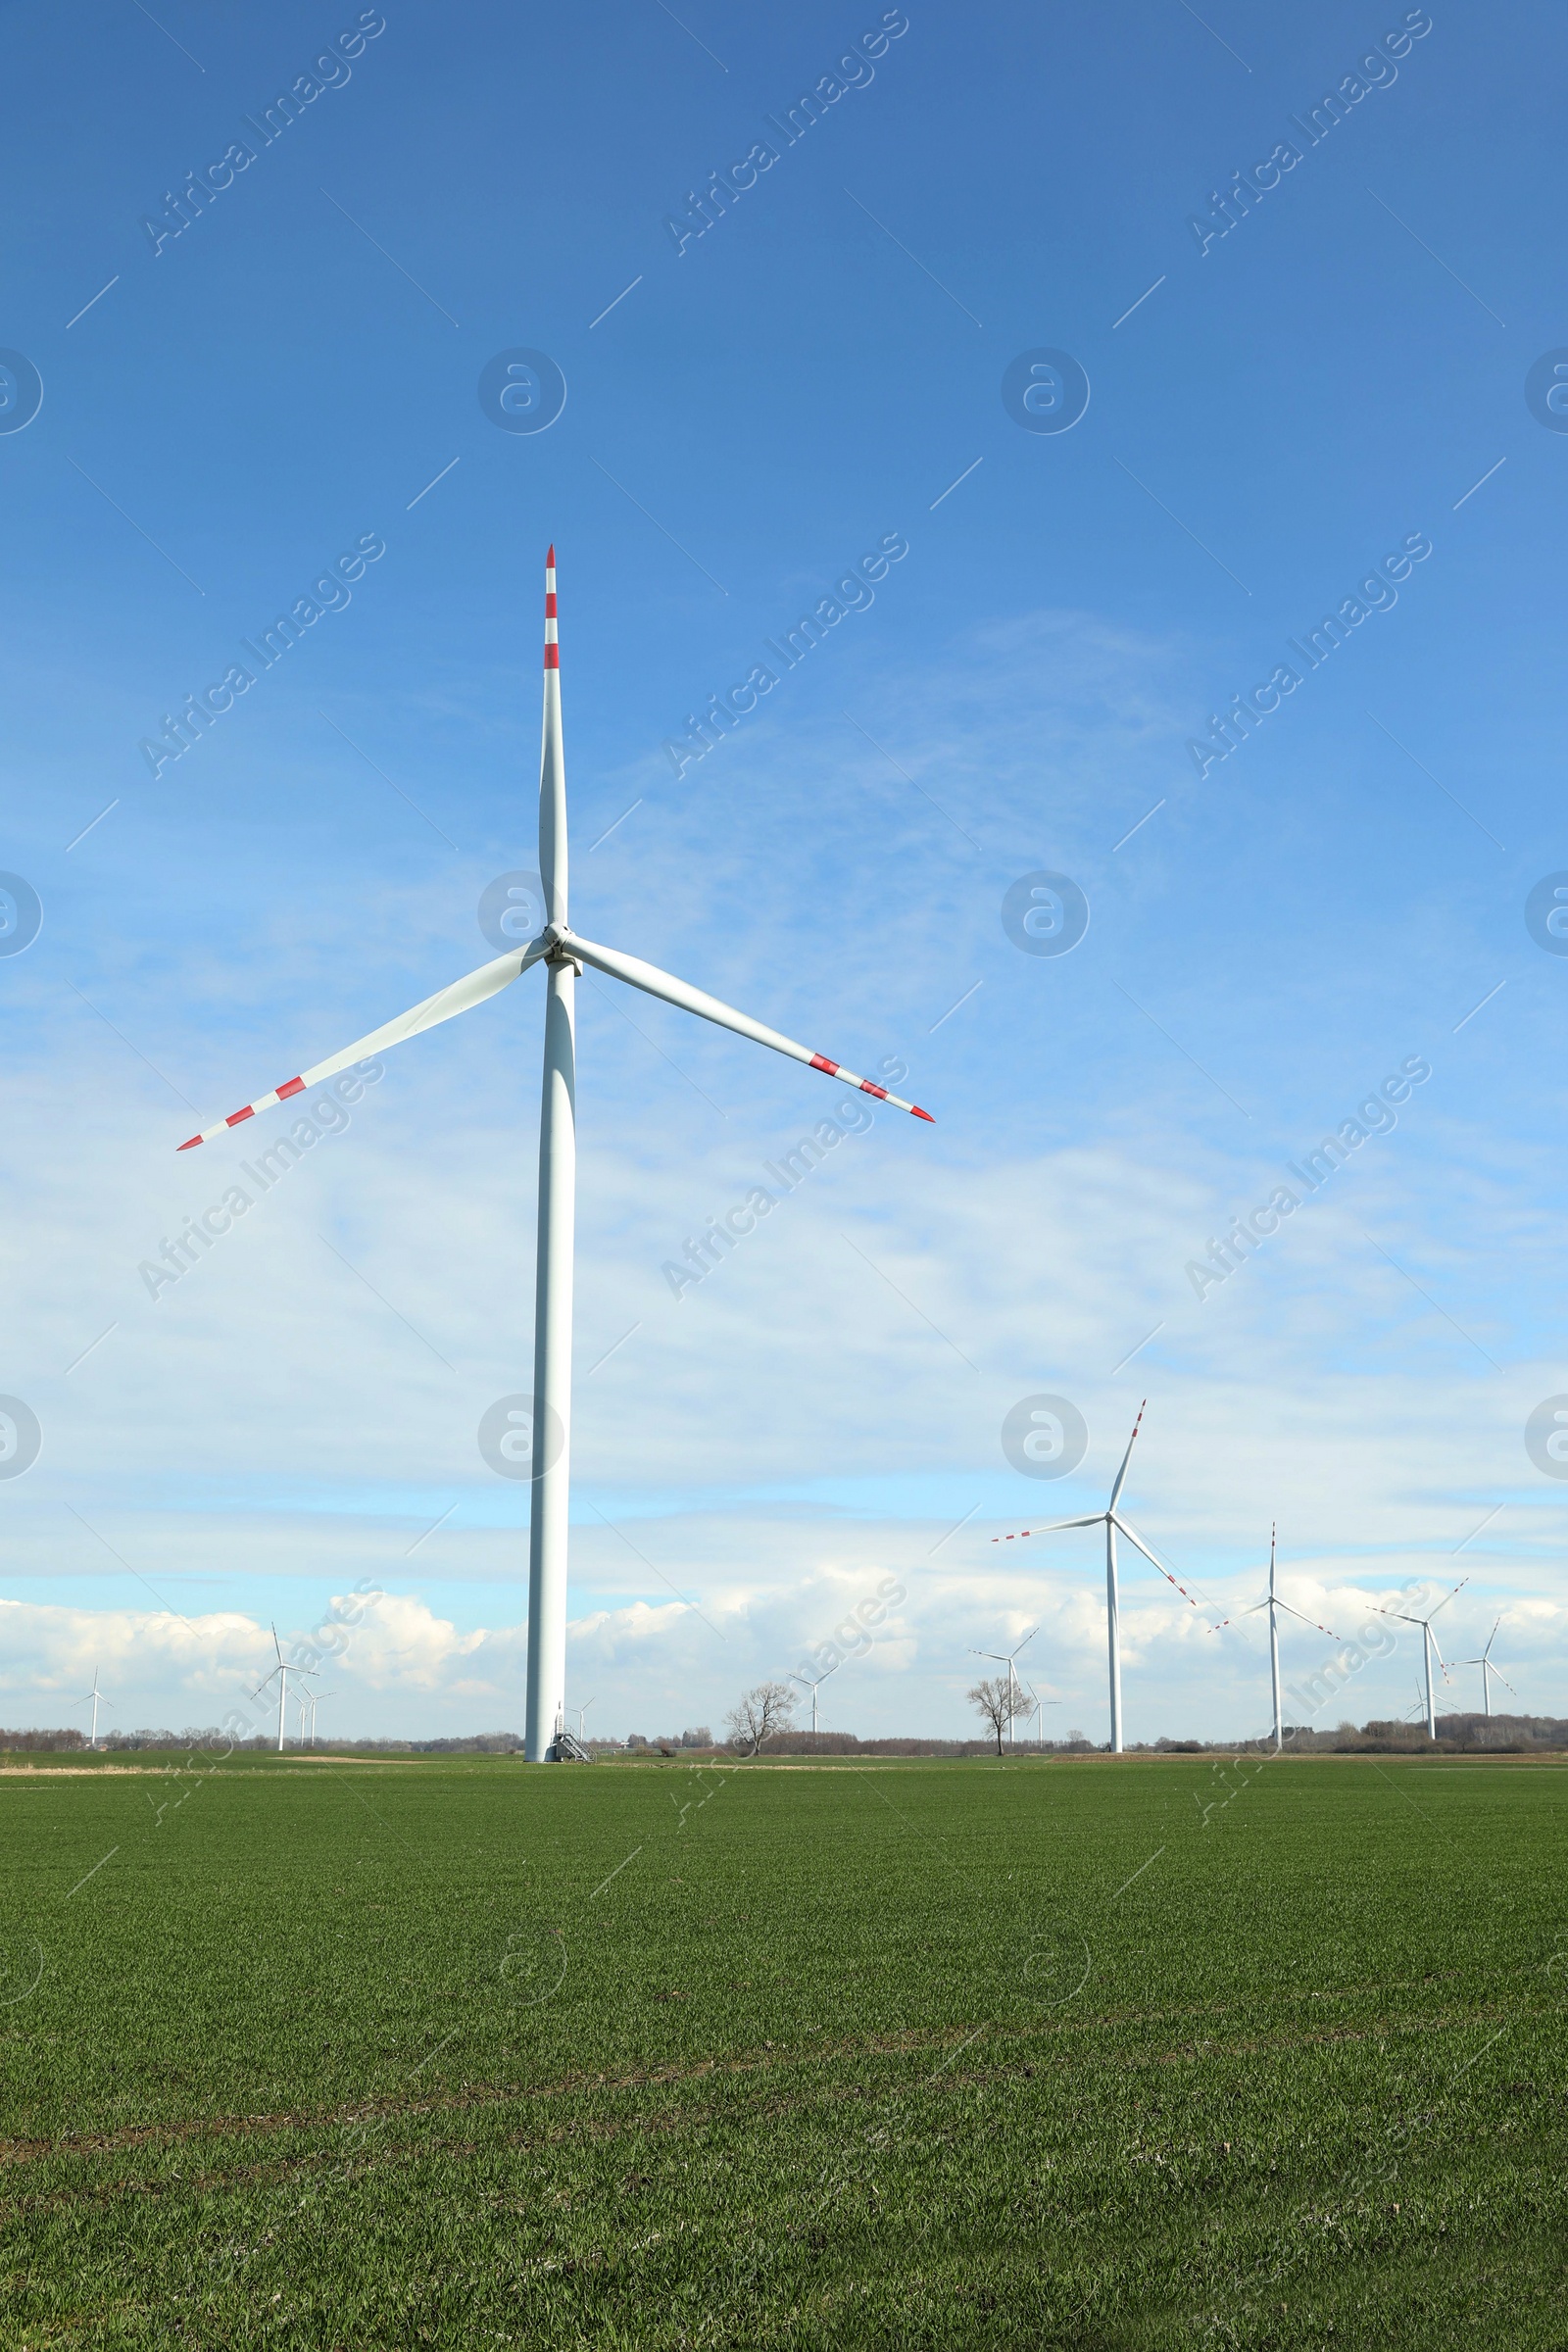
{"points": [[465, 2053]]}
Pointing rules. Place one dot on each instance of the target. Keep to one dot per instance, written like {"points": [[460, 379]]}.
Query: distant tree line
{"points": [[1457, 1734]]}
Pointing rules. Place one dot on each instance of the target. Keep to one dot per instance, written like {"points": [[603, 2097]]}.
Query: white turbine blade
{"points": [[1116, 1492], [1487, 1652], [444, 1005], [1398, 1613], [552, 767], [1448, 1596], [1504, 1679], [1094, 1519], [1312, 1621], [648, 977], [1153, 1559], [1240, 1614]]}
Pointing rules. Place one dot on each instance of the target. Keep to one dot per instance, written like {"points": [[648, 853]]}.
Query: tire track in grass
{"points": [[916, 2042]]}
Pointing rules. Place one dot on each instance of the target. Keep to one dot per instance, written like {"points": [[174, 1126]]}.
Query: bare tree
{"points": [[762, 1713], [993, 1698]]}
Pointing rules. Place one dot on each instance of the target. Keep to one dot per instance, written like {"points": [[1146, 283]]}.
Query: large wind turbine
{"points": [[563, 953], [1428, 1645], [1273, 1604], [1487, 1669], [1113, 1522]]}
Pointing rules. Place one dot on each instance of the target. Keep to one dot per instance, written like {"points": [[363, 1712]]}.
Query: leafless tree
{"points": [[994, 1699], [762, 1713]]}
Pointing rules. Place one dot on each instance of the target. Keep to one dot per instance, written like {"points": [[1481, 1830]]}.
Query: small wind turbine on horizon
{"points": [[316, 1697], [1487, 1669], [563, 955], [95, 1694], [1041, 1704], [1113, 1523], [1272, 1604], [582, 1709], [1006, 1658], [283, 1669], [813, 1686], [1429, 1646]]}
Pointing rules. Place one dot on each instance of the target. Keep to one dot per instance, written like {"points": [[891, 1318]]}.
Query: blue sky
{"points": [[1272, 414]]}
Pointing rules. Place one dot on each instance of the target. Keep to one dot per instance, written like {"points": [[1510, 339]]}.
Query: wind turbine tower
{"points": [[1487, 1669], [1113, 1524], [813, 1686], [564, 954], [1429, 1646], [1007, 1658], [96, 1695], [1273, 1605], [283, 1669]]}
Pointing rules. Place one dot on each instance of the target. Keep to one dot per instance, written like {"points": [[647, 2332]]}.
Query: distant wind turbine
{"points": [[1487, 1669], [563, 953], [316, 1697], [1041, 1704], [1006, 1658], [1428, 1645], [813, 1686], [283, 1669], [95, 1694], [1112, 1522], [1272, 1604]]}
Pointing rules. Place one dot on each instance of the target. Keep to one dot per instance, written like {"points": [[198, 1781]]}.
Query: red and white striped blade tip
{"points": [[552, 649], [279, 1094], [868, 1086]]}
